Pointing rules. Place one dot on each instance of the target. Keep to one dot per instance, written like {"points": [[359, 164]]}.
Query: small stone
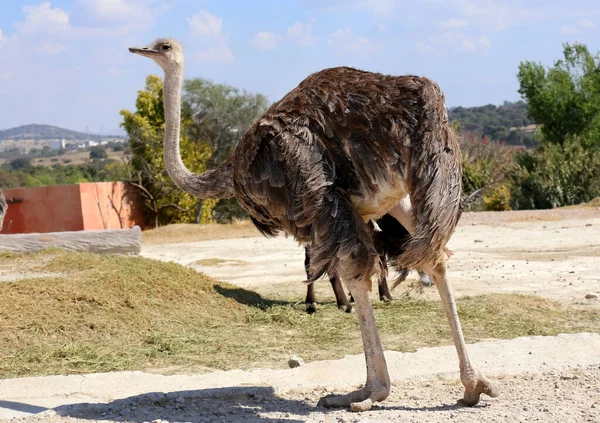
{"points": [[179, 400], [525, 408], [295, 361], [545, 410], [590, 296]]}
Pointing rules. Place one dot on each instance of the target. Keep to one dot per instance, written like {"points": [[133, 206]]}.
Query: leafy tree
{"points": [[221, 115], [97, 153], [21, 163], [565, 98], [164, 201], [556, 175]]}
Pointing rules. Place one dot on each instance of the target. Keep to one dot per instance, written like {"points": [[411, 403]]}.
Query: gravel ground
{"points": [[557, 396]]}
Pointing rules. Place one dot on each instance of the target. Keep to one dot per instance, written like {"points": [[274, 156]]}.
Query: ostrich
{"points": [[340, 297], [3, 208], [344, 147], [389, 243]]}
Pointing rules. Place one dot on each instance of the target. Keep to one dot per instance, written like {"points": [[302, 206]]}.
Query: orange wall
{"points": [[110, 205], [73, 208], [44, 209]]}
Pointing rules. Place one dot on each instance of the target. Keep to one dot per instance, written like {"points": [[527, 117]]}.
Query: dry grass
{"points": [[74, 158], [70, 158], [185, 232], [116, 313]]}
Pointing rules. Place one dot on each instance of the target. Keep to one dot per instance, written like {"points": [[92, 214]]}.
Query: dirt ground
{"points": [[553, 254], [561, 397], [550, 253]]}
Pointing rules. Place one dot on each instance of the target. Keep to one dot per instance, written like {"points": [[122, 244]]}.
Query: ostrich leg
{"points": [[336, 284], [475, 384], [377, 387]]}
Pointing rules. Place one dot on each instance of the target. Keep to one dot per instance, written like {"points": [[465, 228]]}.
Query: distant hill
{"points": [[507, 122], [45, 132]]}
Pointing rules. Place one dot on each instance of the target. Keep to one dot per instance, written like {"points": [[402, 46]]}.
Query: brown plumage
{"points": [[326, 127], [343, 148]]}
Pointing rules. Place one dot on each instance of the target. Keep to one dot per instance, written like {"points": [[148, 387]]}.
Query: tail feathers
{"points": [[343, 238], [435, 183]]}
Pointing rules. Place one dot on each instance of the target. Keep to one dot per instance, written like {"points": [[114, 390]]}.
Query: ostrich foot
{"points": [[385, 297], [360, 400], [475, 385], [346, 308], [311, 308], [425, 280]]}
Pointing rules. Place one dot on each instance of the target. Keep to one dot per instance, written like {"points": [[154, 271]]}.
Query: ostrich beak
{"points": [[143, 51]]}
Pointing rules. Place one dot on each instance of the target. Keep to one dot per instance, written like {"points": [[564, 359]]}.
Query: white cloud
{"points": [[453, 41], [43, 18], [205, 24], [568, 29], [219, 54], [302, 33], [265, 40], [454, 23], [577, 28], [339, 35], [2, 38], [345, 41], [208, 29], [379, 7], [51, 48], [587, 24], [498, 15], [126, 15]]}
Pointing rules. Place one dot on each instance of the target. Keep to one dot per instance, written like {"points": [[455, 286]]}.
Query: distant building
{"points": [[87, 144], [57, 144]]}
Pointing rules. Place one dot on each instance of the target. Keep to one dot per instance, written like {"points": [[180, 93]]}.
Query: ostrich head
{"points": [[168, 53]]}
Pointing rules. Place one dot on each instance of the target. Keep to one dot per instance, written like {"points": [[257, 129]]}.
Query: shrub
{"points": [[556, 175], [497, 198]]}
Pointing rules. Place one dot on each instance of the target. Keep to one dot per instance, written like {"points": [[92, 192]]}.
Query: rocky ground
{"points": [[553, 254]]}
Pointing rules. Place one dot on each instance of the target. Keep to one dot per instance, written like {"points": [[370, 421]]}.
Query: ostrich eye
{"points": [[166, 47]]}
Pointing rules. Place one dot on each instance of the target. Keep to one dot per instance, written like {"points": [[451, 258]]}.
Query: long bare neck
{"points": [[217, 183]]}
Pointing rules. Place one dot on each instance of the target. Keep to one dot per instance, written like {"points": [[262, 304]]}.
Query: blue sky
{"points": [[65, 62]]}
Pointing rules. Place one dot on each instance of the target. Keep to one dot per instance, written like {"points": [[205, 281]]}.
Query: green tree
{"points": [[164, 201], [221, 114], [21, 163], [565, 98], [556, 175], [97, 153]]}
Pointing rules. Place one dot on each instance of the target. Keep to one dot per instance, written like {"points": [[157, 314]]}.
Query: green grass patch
{"points": [[107, 313]]}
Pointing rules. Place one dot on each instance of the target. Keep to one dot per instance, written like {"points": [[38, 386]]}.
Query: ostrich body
{"points": [[342, 148]]}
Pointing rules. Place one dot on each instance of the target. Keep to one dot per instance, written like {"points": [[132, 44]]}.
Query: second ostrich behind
{"points": [[389, 239]]}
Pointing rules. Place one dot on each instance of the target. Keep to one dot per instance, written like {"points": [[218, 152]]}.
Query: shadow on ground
{"points": [[249, 298], [238, 404]]}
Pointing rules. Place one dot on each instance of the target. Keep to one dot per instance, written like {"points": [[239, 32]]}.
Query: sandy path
{"points": [[538, 383], [556, 259], [550, 379]]}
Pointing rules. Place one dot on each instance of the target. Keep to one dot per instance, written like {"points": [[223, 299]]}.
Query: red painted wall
{"points": [[102, 205]]}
